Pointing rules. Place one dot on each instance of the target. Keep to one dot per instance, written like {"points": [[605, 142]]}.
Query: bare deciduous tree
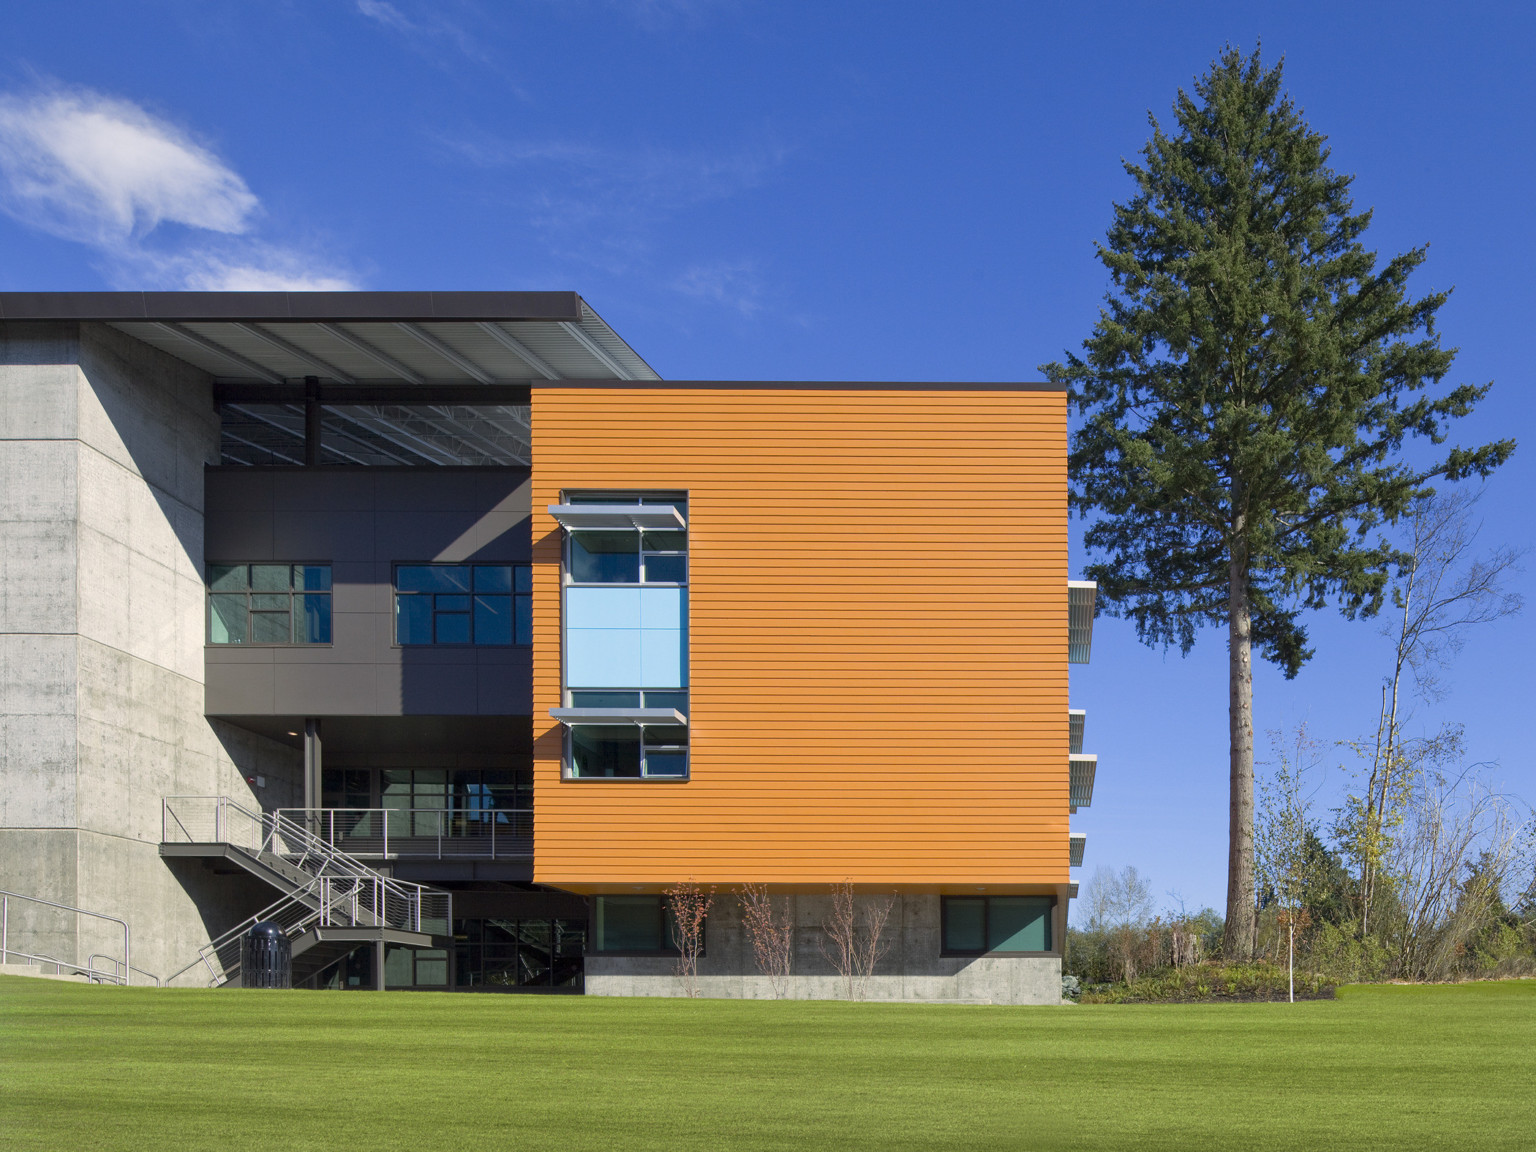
{"points": [[1119, 904], [851, 948], [1287, 872], [1452, 824], [689, 906], [1440, 589], [771, 930]]}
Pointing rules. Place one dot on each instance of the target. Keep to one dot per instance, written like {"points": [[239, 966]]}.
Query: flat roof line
{"points": [[260, 307]]}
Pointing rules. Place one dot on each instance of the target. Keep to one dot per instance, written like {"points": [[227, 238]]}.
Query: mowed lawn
{"points": [[1381, 1067]]}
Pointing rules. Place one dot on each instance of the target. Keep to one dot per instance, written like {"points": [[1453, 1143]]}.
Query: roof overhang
{"points": [[402, 339], [620, 516], [571, 717]]}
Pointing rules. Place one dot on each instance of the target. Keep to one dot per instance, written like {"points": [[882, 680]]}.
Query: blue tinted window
{"points": [[453, 627], [315, 623], [605, 557], [493, 619], [493, 578], [434, 604], [413, 616], [432, 578]]}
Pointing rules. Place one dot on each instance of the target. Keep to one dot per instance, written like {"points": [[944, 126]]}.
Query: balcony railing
{"points": [[422, 833]]}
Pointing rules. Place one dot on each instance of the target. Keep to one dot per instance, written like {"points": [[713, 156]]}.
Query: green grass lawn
{"points": [[1381, 1067]]}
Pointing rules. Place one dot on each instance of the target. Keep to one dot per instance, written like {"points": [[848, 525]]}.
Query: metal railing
{"points": [[119, 975], [432, 833], [336, 890], [325, 902]]}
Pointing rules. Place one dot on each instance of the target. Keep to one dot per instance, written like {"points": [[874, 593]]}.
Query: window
{"points": [[974, 925], [617, 556], [463, 604], [628, 751], [601, 556], [269, 604], [493, 952], [634, 924]]}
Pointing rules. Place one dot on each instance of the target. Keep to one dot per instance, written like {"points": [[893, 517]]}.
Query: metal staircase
{"points": [[331, 902]]}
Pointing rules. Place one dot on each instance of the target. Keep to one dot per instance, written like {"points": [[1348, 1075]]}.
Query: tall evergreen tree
{"points": [[1245, 396]]}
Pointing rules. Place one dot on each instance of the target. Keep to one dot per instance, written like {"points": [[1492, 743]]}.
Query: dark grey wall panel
{"points": [[363, 522]]}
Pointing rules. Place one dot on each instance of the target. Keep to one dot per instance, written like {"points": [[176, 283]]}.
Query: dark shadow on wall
{"points": [[161, 413], [472, 680]]}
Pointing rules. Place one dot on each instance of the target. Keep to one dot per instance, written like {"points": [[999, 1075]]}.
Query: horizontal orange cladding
{"points": [[877, 635]]}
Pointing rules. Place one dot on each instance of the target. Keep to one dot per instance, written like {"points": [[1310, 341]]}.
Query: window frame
{"points": [[676, 498], [1053, 910], [293, 594], [568, 756], [668, 950], [512, 596]]}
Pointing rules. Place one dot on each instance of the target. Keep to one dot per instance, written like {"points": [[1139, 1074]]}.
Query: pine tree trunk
{"points": [[1237, 941]]}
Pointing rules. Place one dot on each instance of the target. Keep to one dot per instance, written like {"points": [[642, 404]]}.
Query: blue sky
{"points": [[802, 191]]}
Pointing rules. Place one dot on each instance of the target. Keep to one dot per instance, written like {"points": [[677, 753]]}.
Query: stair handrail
{"points": [[275, 833], [5, 926]]}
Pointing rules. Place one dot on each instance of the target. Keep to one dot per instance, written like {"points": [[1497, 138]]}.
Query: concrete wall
{"points": [[912, 969], [363, 522], [103, 442]]}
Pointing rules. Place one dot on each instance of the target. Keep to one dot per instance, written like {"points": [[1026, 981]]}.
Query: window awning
{"points": [[1080, 597], [1080, 780], [622, 516], [1076, 842], [1076, 717], [574, 716]]}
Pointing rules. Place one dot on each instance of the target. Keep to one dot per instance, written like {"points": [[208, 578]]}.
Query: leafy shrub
{"points": [[1211, 981]]}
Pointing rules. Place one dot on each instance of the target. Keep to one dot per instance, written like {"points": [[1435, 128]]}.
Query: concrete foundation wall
{"points": [[912, 968], [103, 442]]}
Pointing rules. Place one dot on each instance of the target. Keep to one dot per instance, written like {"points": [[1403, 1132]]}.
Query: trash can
{"points": [[266, 957]]}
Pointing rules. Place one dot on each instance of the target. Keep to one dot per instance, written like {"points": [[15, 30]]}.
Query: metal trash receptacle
{"points": [[266, 957]]}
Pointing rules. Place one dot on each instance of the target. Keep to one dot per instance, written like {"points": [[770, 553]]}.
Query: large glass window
{"points": [[974, 925], [269, 604], [492, 952], [634, 924], [463, 604]]}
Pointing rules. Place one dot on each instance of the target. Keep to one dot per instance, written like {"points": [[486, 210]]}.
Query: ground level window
{"points": [[974, 925], [634, 925], [496, 953]]}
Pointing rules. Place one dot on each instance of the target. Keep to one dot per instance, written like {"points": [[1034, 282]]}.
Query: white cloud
{"points": [[106, 173], [87, 167]]}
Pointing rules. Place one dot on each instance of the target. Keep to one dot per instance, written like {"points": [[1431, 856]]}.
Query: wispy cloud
{"points": [[608, 207], [106, 173], [733, 285], [427, 27]]}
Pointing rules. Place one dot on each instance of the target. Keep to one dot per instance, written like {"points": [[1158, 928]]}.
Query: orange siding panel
{"points": [[877, 636]]}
